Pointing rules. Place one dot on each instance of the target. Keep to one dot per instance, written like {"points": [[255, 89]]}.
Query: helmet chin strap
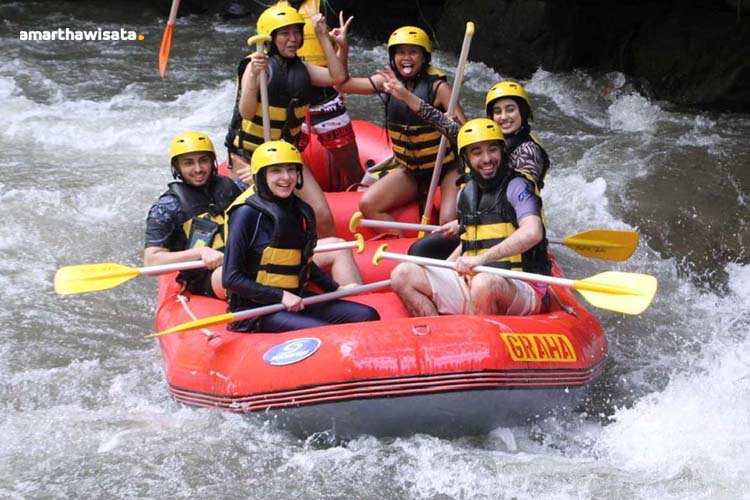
{"points": [[300, 179], [175, 171]]}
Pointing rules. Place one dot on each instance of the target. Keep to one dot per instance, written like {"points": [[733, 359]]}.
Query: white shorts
{"points": [[449, 290], [450, 293]]}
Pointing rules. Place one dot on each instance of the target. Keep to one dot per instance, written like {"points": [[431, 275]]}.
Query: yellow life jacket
{"points": [[284, 262], [204, 208], [486, 227], [415, 142], [289, 89], [239, 200]]}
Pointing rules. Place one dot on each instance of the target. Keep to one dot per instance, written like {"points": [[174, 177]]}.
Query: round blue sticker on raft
{"points": [[291, 351]]}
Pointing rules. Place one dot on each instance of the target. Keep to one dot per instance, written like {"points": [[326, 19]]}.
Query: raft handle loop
{"points": [[421, 330]]}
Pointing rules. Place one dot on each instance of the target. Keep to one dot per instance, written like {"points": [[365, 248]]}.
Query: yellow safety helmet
{"points": [[478, 130], [506, 88], [413, 36], [190, 142], [273, 153], [410, 35], [277, 17]]}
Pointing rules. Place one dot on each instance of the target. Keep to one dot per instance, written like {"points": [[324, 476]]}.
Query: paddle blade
{"points": [[195, 325], [166, 45], [604, 244], [92, 277], [627, 293]]}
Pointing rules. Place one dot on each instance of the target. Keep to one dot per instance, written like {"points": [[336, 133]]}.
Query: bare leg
{"points": [[219, 290], [491, 294], [410, 283], [448, 194], [346, 162], [341, 263], [313, 195], [395, 189]]}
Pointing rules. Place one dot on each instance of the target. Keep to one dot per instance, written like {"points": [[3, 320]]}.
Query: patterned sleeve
{"points": [[528, 158], [439, 120], [162, 223]]}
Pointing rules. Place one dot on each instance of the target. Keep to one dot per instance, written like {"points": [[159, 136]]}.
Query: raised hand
{"points": [[392, 85], [339, 35], [320, 26]]}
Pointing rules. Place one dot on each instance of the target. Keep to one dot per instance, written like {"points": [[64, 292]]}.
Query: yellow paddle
{"points": [[628, 293], [270, 309], [606, 244], [92, 277], [166, 39], [453, 100]]}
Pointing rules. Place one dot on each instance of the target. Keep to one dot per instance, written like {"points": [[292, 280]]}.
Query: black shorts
{"points": [[424, 177], [198, 282]]}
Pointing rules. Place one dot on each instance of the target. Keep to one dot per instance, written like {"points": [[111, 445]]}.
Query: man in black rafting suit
{"points": [[187, 221]]}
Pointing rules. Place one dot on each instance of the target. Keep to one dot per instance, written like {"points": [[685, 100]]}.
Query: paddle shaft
{"points": [[198, 264], [633, 298], [574, 242], [507, 273], [168, 268], [269, 309], [173, 12], [315, 299], [260, 47], [411, 226], [455, 91], [418, 227]]}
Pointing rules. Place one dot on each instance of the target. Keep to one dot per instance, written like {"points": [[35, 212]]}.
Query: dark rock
{"points": [[691, 53]]}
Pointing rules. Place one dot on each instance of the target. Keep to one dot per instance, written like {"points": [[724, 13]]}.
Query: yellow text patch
{"points": [[539, 347]]}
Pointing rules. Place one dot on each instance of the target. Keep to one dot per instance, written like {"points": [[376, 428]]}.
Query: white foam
{"points": [[571, 95], [633, 113], [701, 135], [85, 125], [698, 425]]}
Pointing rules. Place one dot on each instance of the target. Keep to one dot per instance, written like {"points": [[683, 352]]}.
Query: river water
{"points": [[84, 409]]}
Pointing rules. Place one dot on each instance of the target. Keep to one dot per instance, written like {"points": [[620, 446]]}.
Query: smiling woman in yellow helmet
{"points": [[290, 83], [269, 251], [186, 223], [508, 104], [414, 141]]}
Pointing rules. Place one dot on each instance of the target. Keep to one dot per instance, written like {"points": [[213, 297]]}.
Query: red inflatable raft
{"points": [[444, 375]]}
